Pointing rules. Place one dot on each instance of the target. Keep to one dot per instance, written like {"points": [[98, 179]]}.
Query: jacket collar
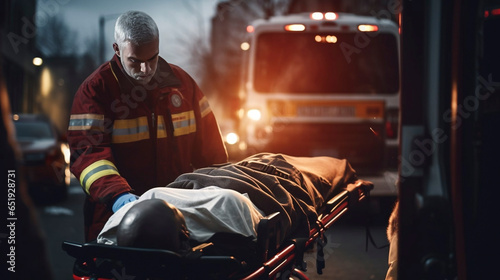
{"points": [[164, 76]]}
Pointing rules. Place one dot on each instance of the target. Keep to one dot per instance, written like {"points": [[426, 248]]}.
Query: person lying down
{"points": [[232, 198], [153, 221]]}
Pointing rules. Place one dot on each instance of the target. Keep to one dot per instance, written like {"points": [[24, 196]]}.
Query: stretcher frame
{"points": [[278, 260]]}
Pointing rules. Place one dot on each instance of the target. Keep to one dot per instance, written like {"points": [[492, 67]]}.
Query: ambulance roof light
{"points": [[367, 27], [295, 27], [321, 16], [317, 16]]}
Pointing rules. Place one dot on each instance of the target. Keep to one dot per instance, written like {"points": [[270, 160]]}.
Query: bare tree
{"points": [[228, 33], [55, 38], [197, 42], [89, 60]]}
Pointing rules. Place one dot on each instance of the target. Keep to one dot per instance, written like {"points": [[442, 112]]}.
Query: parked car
{"points": [[45, 157]]}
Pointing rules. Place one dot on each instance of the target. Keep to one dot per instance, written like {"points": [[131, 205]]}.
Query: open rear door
{"points": [[449, 149]]}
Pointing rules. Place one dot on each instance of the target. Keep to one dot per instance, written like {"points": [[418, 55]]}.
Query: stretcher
{"points": [[272, 260]]}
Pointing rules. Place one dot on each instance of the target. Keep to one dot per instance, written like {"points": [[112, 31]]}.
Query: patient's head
{"points": [[153, 223]]}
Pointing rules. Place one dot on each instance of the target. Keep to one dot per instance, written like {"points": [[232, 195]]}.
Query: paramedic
{"points": [[137, 122]]}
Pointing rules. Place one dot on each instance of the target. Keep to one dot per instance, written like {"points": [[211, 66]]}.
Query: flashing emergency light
{"points": [[320, 16], [367, 28], [317, 16], [295, 27], [330, 16]]}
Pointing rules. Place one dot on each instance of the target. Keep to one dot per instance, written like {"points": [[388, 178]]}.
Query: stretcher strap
{"points": [[369, 236], [300, 245], [266, 168], [321, 242], [372, 241]]}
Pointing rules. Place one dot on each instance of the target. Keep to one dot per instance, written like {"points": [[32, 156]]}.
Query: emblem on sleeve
{"points": [[176, 100]]}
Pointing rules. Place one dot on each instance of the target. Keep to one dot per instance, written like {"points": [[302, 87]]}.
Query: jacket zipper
{"points": [[154, 138]]}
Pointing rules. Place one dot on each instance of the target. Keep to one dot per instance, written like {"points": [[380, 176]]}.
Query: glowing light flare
{"points": [[321, 16], [232, 138], [66, 152], [250, 29], [367, 28], [295, 27], [375, 132], [330, 16], [37, 61], [46, 83], [495, 12], [331, 39], [242, 146], [67, 178], [254, 114], [245, 46], [326, 39], [317, 16], [241, 112]]}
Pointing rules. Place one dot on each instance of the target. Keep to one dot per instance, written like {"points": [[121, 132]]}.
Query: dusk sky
{"points": [[177, 21]]}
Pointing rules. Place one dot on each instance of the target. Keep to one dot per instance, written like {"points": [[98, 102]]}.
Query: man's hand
{"points": [[123, 199]]}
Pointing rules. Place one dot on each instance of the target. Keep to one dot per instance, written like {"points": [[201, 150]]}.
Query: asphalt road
{"points": [[63, 221], [345, 254]]}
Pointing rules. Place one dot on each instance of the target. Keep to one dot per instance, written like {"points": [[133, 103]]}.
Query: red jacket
{"points": [[126, 137]]}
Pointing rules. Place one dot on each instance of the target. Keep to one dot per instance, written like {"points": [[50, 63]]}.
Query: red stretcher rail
{"points": [[336, 208]]}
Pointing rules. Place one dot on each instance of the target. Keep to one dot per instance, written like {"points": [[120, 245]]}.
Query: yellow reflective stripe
{"points": [[204, 107], [95, 171], [131, 130], [162, 128], [86, 122], [184, 123]]}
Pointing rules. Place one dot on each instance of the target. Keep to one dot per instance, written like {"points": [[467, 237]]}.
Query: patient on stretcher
{"points": [[232, 199], [197, 214]]}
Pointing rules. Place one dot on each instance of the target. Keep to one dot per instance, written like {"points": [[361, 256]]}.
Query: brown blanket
{"points": [[297, 187]]}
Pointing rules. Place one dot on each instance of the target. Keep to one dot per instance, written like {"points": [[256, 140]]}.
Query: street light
{"points": [[37, 61]]}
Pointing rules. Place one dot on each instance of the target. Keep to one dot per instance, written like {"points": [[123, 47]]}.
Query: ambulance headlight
{"points": [[232, 138], [254, 114]]}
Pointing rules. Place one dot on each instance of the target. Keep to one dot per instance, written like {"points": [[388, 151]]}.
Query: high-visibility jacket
{"points": [[126, 137]]}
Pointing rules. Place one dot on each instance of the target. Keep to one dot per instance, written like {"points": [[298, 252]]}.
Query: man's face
{"points": [[139, 61]]}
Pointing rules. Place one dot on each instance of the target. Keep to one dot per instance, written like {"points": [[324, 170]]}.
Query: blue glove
{"points": [[123, 199]]}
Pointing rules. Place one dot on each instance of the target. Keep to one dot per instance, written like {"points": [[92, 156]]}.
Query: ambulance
{"points": [[322, 84]]}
